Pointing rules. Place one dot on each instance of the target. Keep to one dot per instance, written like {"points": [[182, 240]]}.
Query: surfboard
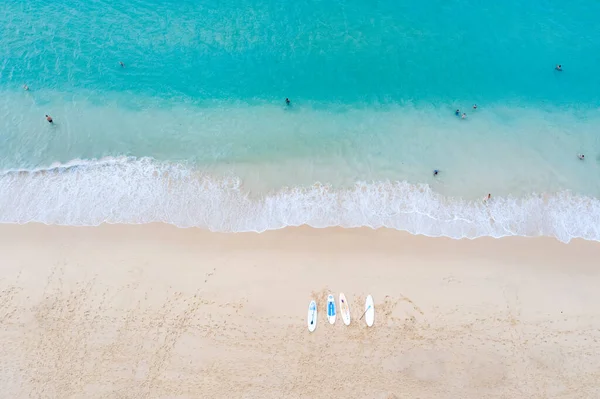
{"points": [[312, 316], [331, 309], [344, 309], [369, 311]]}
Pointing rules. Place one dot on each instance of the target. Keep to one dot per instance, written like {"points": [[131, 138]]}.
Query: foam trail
{"points": [[130, 190]]}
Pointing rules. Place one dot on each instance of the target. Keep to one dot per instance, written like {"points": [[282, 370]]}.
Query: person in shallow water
{"points": [[581, 156], [463, 116], [49, 118], [558, 67], [121, 63], [474, 106], [435, 172], [457, 112], [287, 101]]}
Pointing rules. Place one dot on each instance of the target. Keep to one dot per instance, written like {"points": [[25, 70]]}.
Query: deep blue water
{"points": [[318, 51]]}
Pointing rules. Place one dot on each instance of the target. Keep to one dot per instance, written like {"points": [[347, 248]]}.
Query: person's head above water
{"points": [[559, 67], [287, 101], [435, 172]]}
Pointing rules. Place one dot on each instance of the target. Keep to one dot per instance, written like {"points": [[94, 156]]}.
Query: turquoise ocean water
{"points": [[194, 131]]}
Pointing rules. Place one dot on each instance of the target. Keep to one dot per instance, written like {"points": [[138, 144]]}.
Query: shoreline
{"points": [[130, 190], [159, 311]]}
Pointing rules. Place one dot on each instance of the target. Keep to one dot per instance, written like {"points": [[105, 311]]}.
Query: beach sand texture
{"points": [[153, 311]]}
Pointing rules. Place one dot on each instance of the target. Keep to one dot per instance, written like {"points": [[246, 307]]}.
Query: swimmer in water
{"points": [[49, 118], [558, 67], [435, 172], [121, 63], [581, 156], [25, 87], [457, 112], [474, 106], [463, 116], [287, 101]]}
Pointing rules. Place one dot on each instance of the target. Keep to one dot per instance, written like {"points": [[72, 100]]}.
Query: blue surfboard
{"points": [[331, 308]]}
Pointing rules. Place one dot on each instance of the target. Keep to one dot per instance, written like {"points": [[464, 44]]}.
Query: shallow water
{"points": [[196, 120]]}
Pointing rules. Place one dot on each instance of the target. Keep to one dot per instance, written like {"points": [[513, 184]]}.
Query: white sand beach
{"points": [[153, 311]]}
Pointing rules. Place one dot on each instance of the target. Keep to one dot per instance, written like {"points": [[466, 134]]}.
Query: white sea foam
{"points": [[130, 190]]}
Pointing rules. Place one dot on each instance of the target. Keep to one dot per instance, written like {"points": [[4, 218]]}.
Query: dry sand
{"points": [[158, 312]]}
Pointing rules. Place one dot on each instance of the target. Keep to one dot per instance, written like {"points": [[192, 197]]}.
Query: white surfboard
{"points": [[331, 309], [369, 311], [312, 316], [344, 309]]}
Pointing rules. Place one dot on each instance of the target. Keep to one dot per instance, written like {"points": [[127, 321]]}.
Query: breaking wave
{"points": [[130, 190]]}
